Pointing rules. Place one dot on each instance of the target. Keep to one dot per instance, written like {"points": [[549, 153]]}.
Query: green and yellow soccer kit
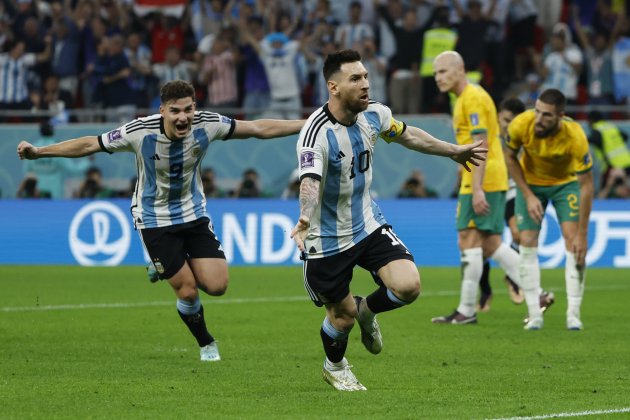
{"points": [[474, 113], [550, 166]]}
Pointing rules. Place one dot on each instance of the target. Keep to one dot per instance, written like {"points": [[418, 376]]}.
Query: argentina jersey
{"points": [[169, 189], [340, 157]]}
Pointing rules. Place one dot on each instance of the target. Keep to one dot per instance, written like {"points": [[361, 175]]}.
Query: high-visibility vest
{"points": [[435, 41], [613, 146]]}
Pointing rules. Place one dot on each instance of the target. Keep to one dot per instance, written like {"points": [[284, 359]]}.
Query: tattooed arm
{"points": [[309, 197]]}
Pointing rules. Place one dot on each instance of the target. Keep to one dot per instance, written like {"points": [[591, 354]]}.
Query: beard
{"points": [[356, 106], [542, 132]]}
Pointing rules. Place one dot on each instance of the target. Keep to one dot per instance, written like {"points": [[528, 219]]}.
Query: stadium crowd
{"points": [[253, 58]]}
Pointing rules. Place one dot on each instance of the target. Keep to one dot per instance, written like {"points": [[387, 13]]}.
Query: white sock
{"points": [[508, 260], [472, 267], [336, 366], [574, 280], [529, 271]]}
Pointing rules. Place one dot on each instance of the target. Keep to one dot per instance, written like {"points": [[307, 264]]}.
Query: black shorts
{"points": [[327, 279], [509, 210], [169, 247]]}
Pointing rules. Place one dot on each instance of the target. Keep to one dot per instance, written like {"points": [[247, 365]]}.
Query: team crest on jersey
{"points": [[114, 135], [226, 120], [158, 266], [474, 119], [307, 160]]}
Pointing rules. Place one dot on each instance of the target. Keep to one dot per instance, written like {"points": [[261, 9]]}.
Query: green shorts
{"points": [[492, 222], [565, 199]]}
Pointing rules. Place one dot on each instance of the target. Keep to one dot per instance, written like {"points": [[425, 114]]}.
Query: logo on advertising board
{"points": [[99, 234]]}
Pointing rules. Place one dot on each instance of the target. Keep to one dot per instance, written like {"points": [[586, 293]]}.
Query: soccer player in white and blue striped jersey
{"points": [[340, 226], [168, 206]]}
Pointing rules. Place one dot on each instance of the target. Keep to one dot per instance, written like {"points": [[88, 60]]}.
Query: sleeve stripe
{"points": [[584, 171], [310, 175], [232, 127], [100, 142], [155, 126], [311, 133]]}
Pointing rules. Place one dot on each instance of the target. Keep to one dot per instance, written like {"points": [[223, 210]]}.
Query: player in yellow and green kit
{"points": [[555, 166], [481, 199]]}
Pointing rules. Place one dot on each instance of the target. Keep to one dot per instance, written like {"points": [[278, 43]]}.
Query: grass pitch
{"points": [[105, 343]]}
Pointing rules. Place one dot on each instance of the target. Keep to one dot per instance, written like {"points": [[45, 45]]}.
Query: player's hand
{"points": [[299, 232], [579, 248], [480, 204], [535, 208], [26, 150], [470, 153]]}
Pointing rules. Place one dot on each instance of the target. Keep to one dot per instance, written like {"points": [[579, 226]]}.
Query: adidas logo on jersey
{"points": [[340, 155], [155, 157]]}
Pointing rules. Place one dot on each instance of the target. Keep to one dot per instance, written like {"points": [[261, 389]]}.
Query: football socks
{"points": [[335, 342], [472, 267], [574, 279], [192, 315], [383, 300], [529, 271]]}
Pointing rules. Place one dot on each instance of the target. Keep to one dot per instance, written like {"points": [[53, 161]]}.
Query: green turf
{"points": [[137, 360]]}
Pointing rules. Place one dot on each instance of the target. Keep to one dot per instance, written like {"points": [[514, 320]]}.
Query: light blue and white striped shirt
{"points": [[14, 76], [169, 189], [340, 157]]}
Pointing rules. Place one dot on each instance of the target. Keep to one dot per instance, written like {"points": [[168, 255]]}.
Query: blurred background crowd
{"points": [[104, 60]]}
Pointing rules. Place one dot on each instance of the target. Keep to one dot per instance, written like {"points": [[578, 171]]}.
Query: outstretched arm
{"points": [[82, 146], [266, 129], [309, 198], [419, 140]]}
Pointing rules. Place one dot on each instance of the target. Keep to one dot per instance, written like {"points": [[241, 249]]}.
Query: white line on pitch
{"points": [[576, 414], [220, 301]]}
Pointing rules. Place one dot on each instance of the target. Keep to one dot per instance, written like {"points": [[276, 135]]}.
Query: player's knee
{"points": [[409, 290], [216, 286], [187, 293]]}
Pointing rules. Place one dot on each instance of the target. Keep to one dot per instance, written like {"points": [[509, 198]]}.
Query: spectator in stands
{"points": [[53, 99], [164, 32], [256, 96], [218, 74], [561, 68], [92, 186], [210, 188], [50, 173], [523, 14], [355, 31], [376, 65], [65, 57], [531, 90], [599, 69], [33, 36], [14, 65], [405, 83], [439, 36], [114, 70], [173, 68], [249, 186], [610, 146], [206, 17], [415, 187], [139, 57], [472, 33], [278, 54]]}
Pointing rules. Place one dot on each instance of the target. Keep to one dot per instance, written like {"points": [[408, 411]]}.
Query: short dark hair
{"points": [[334, 61], [514, 105], [554, 97], [176, 89]]}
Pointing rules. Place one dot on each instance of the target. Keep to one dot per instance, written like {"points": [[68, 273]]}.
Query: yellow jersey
{"points": [[474, 113], [552, 160]]}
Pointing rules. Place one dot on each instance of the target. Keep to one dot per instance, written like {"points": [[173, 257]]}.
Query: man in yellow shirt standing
{"points": [[555, 166], [481, 199]]}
